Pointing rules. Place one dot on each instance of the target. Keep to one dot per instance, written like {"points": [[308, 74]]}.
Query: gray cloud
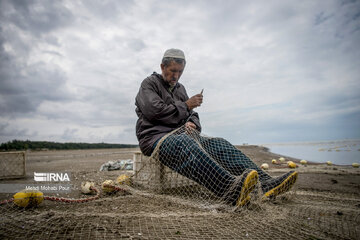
{"points": [[136, 44], [7, 133], [69, 134], [23, 88], [108, 10], [271, 71], [37, 17], [26, 83]]}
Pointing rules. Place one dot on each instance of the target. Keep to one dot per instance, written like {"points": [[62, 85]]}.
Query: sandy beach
{"points": [[324, 204]]}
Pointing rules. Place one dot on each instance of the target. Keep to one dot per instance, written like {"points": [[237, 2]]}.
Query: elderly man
{"points": [[162, 105]]}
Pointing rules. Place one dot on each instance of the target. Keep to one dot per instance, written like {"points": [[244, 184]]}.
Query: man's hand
{"points": [[190, 125], [195, 101]]}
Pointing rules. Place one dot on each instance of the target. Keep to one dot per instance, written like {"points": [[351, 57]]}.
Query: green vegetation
{"points": [[40, 145]]}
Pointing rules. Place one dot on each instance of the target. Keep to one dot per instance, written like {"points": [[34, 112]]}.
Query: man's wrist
{"points": [[187, 106]]}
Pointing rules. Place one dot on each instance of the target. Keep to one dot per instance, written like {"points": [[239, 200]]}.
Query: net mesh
{"points": [[168, 199], [12, 164]]}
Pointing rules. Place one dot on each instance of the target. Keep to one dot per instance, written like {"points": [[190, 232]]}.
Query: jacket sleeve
{"points": [[195, 119], [153, 107]]}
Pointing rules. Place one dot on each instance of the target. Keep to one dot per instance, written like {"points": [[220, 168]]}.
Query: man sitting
{"points": [[162, 106]]}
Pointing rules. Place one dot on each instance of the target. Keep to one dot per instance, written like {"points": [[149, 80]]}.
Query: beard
{"points": [[172, 82]]}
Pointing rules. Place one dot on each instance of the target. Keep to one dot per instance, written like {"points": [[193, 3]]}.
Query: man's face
{"points": [[172, 73]]}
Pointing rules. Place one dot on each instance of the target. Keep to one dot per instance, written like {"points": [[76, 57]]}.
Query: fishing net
{"points": [[208, 171], [179, 193]]}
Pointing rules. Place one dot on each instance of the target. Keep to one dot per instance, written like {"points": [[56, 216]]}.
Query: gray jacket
{"points": [[160, 111]]}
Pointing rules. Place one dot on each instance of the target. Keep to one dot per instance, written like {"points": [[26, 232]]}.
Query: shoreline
{"points": [[268, 155], [321, 142]]}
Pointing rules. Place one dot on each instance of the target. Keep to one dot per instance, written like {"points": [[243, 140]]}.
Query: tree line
{"points": [[44, 145]]}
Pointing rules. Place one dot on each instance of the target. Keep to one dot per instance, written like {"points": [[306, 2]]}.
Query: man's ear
{"points": [[162, 66]]}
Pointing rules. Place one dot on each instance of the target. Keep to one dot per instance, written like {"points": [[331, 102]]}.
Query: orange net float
{"points": [[28, 198], [33, 198]]}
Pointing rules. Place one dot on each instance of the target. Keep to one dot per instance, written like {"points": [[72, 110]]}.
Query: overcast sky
{"points": [[272, 71]]}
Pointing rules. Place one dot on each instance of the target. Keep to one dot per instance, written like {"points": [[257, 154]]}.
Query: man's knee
{"points": [[216, 143]]}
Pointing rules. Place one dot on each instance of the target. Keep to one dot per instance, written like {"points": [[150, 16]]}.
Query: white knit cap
{"points": [[174, 53]]}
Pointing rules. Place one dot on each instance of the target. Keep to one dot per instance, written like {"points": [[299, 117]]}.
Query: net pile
{"points": [[140, 217], [164, 204]]}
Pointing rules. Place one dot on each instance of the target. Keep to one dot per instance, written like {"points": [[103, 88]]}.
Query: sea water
{"points": [[343, 152]]}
